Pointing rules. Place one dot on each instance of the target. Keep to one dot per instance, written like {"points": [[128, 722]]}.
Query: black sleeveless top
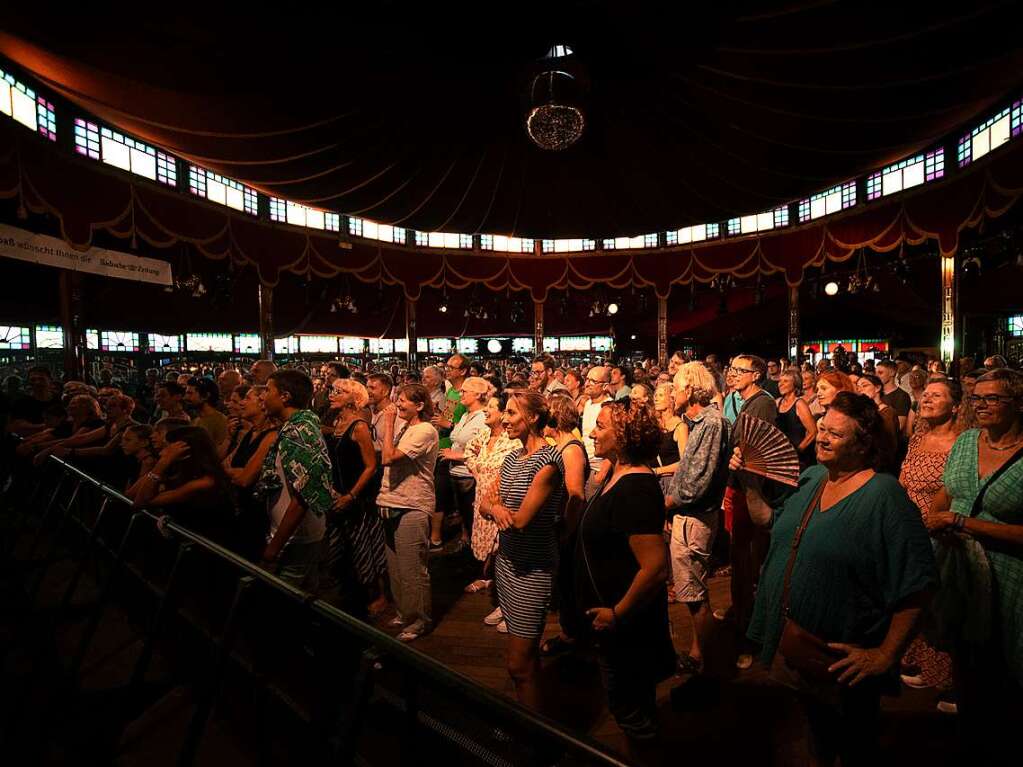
{"points": [[667, 451], [348, 464], [247, 446], [586, 462], [790, 425]]}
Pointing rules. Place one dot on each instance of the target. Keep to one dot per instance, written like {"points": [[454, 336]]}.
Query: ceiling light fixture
{"points": [[831, 288]]}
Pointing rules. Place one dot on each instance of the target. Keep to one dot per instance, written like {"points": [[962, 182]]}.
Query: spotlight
{"points": [[632, 337], [494, 346], [443, 307], [612, 308], [831, 288]]}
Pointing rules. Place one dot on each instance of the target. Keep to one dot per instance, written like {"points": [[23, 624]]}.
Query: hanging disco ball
{"points": [[555, 122]]}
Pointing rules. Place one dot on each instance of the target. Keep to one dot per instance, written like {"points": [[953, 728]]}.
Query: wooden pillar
{"points": [[662, 333], [947, 343], [411, 334], [71, 321], [793, 337], [266, 320], [538, 327]]}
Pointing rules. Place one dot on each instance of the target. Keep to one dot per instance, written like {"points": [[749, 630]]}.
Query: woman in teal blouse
{"points": [[988, 679], [862, 573]]}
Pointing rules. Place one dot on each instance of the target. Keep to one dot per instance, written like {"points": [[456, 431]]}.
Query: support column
{"points": [[662, 333], [266, 320], [793, 338], [948, 311], [538, 327], [411, 334], [71, 321]]}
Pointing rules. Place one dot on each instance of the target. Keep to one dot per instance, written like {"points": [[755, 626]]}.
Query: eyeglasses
{"points": [[739, 371], [596, 382], [535, 373], [989, 400]]}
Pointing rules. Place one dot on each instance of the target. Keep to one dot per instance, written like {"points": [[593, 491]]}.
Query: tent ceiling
{"points": [[409, 115]]}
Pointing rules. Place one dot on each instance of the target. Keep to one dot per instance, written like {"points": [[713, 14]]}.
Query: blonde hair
{"points": [[480, 386], [700, 381], [360, 397]]}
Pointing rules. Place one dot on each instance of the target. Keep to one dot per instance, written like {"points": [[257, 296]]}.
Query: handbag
{"points": [[802, 650], [960, 611]]}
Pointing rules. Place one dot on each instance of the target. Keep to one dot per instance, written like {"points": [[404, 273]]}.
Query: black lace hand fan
{"points": [[767, 451]]}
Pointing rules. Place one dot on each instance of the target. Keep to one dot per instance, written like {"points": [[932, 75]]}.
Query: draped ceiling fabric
{"points": [[398, 115]]}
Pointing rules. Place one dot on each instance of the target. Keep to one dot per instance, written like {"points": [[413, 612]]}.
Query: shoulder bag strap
{"points": [[796, 540], [979, 500]]}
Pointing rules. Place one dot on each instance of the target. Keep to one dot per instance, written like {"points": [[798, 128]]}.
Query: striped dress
{"points": [[527, 558]]}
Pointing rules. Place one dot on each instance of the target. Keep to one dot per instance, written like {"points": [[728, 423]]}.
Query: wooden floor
{"points": [[739, 716]]}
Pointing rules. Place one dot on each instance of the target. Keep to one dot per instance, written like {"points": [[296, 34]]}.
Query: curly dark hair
{"points": [[869, 426], [636, 431]]}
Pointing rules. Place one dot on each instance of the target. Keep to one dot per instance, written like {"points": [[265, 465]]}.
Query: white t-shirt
{"points": [[408, 484], [312, 527], [466, 428], [590, 412]]}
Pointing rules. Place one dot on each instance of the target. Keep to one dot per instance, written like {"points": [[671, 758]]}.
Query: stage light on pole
{"points": [[612, 308], [831, 288], [494, 346]]}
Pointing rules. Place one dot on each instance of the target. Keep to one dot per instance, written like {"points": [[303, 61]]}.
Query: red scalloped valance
{"points": [[86, 196]]}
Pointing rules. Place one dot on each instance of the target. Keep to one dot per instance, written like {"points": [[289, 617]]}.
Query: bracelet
{"points": [[959, 523]]}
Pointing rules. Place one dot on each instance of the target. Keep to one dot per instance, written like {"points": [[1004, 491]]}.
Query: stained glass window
{"points": [[352, 345], [1016, 325], [209, 342], [363, 227], [118, 341], [221, 190], [447, 240], [522, 345], [318, 344], [688, 234], [827, 202], [114, 148], [601, 343], [247, 343], [12, 337], [551, 345], [381, 346], [161, 343], [467, 345], [505, 244], [907, 173], [440, 346], [286, 212], [759, 222], [991, 134], [547, 246], [627, 243], [575, 343], [422, 239], [92, 339], [49, 337], [21, 103]]}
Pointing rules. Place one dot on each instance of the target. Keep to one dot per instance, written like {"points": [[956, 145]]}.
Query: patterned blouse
{"points": [[1003, 504], [922, 472], [485, 464]]}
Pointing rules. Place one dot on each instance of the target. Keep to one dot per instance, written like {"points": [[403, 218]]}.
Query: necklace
{"points": [[999, 448]]}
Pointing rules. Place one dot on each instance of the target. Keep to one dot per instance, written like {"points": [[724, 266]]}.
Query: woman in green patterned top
{"points": [[981, 676]]}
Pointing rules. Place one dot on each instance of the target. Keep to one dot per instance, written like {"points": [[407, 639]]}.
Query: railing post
{"points": [[197, 726], [410, 753], [349, 727]]}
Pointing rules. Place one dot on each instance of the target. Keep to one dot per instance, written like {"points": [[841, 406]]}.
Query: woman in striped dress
{"points": [[530, 494]]}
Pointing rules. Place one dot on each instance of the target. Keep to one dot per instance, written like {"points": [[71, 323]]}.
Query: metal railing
{"points": [[78, 511]]}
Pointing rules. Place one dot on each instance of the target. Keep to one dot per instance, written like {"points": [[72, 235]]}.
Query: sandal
{"points": [[477, 586], [556, 645], [409, 636]]}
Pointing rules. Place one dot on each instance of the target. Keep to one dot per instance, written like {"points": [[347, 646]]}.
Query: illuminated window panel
{"points": [[247, 343], [362, 227], [209, 342], [118, 341], [546, 246], [422, 239], [908, 173], [991, 134], [286, 346], [49, 337], [401, 346], [467, 345], [448, 240], [23, 105], [650, 240], [352, 345], [733, 227], [522, 345], [221, 190], [15, 338], [422, 345], [601, 343], [161, 343], [1016, 325], [286, 212], [92, 339], [381, 346], [571, 245], [317, 344], [698, 233], [506, 244], [575, 343], [551, 345], [441, 346], [825, 203], [671, 237]]}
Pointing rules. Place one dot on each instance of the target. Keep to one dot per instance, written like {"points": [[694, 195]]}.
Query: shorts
{"points": [[692, 539]]}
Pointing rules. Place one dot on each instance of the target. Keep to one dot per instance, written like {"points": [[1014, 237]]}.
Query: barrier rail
{"points": [[79, 502]]}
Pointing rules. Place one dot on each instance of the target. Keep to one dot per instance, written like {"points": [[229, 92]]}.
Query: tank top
{"points": [[790, 425], [348, 464], [586, 462], [247, 446], [667, 451]]}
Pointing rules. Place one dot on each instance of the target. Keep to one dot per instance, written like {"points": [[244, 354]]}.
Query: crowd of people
{"points": [[607, 490]]}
